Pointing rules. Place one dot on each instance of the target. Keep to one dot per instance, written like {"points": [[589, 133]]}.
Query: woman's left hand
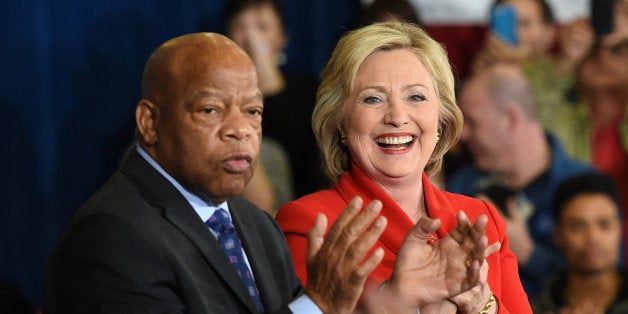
{"points": [[474, 299]]}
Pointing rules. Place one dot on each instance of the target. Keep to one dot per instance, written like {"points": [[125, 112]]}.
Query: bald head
{"points": [[168, 66], [201, 112], [506, 84]]}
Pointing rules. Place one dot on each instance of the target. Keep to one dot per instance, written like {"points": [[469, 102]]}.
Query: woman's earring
{"points": [[343, 137]]}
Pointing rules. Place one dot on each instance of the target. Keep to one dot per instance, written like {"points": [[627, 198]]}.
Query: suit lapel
{"points": [[160, 192], [209, 247]]}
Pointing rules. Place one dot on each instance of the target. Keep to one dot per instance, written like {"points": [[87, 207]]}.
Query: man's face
{"points": [[208, 136], [589, 233], [602, 82], [484, 131]]}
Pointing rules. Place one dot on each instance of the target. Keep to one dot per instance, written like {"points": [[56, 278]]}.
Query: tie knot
{"points": [[220, 221]]}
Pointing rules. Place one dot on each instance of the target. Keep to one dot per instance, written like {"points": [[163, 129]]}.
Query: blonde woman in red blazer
{"points": [[385, 116]]}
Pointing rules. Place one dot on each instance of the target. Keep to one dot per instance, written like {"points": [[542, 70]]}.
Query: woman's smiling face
{"points": [[391, 116]]}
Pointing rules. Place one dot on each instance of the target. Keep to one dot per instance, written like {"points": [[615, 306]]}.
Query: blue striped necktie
{"points": [[230, 242]]}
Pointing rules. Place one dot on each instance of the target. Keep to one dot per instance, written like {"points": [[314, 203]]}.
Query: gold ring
{"points": [[468, 262]]}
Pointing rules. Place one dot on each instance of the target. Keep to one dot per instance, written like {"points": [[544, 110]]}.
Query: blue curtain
{"points": [[70, 76]]}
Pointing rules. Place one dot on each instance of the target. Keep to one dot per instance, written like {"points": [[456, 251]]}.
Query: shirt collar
{"points": [[204, 209]]}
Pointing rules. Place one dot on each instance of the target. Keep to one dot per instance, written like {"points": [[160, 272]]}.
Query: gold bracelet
{"points": [[489, 304]]}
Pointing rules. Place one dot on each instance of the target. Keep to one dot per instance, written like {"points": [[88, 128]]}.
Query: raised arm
{"points": [[338, 265]]}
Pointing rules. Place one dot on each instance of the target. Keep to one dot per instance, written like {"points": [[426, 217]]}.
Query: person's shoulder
{"points": [[456, 198], [563, 164], [548, 299], [472, 206], [314, 202], [464, 180], [114, 216], [622, 294], [305, 209], [121, 206], [113, 197], [465, 172], [570, 166]]}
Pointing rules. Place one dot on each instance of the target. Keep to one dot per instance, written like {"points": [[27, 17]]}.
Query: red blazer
{"points": [[297, 217]]}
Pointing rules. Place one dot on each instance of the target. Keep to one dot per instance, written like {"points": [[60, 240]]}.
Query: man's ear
{"points": [[147, 117], [512, 116]]}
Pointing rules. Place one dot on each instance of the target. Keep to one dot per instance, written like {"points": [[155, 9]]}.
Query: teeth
{"points": [[394, 140]]}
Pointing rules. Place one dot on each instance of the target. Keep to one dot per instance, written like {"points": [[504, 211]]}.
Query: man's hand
{"points": [[521, 242], [495, 51], [337, 266], [576, 40]]}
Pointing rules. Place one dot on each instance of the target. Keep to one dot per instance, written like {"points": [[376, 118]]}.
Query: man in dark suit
{"points": [[140, 244]]}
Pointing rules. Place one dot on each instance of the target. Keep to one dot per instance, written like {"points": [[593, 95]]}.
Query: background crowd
{"points": [[70, 81]]}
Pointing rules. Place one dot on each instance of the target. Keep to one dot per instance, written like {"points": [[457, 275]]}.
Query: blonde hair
{"points": [[339, 75]]}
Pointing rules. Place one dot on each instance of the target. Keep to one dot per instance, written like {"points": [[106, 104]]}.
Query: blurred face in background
{"points": [[485, 128], [589, 233], [535, 36], [391, 117], [601, 84], [258, 29]]}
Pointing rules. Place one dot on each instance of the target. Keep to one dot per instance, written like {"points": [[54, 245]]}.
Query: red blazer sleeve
{"points": [[507, 287], [294, 226], [297, 217]]}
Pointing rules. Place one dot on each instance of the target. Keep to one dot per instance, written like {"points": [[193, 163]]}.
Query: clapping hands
{"points": [[429, 273], [424, 273]]}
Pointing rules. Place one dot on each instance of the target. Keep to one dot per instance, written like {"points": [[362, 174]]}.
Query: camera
{"points": [[499, 194]]}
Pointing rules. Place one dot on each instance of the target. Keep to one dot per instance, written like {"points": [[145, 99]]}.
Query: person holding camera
{"points": [[526, 32]]}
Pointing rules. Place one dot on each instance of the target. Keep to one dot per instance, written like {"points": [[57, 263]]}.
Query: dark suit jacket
{"points": [[137, 246]]}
